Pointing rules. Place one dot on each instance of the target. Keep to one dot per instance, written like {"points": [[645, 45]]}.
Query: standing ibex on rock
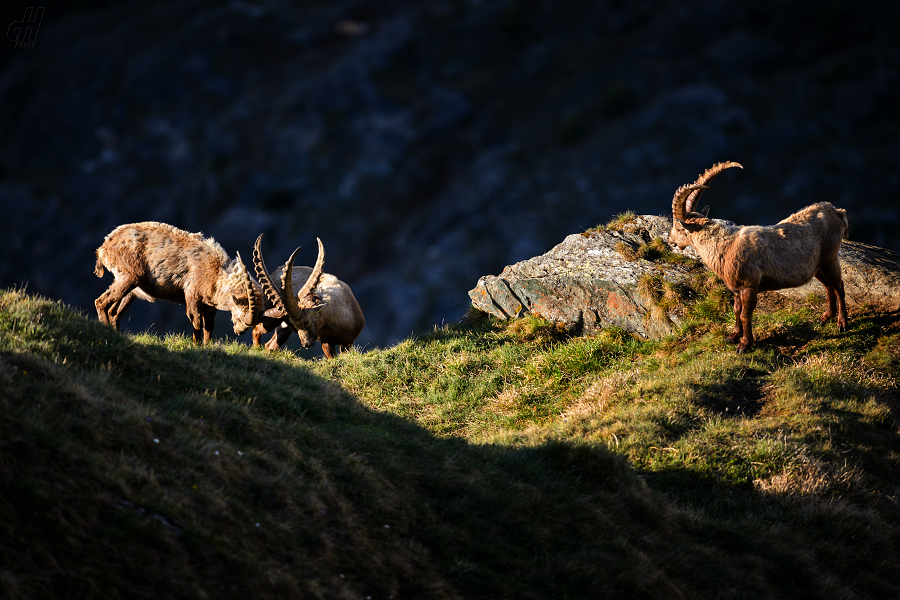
{"points": [[157, 261], [323, 310], [752, 259]]}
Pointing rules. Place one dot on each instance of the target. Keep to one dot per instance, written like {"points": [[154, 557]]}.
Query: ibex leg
{"points": [[112, 297], [748, 304], [279, 338], [830, 276], [738, 330]]}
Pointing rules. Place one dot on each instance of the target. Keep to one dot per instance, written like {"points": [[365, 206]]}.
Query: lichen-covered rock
{"points": [[587, 282]]}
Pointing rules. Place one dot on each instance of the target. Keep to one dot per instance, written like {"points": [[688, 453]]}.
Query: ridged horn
{"points": [[291, 308], [681, 195], [251, 295], [296, 304], [704, 179], [316, 274], [262, 273]]}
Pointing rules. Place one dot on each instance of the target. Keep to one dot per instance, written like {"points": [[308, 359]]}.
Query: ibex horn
{"points": [[262, 273], [251, 295], [704, 179], [680, 197], [313, 282], [297, 304], [291, 309]]}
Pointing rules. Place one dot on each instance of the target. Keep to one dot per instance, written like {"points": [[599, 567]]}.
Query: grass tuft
{"points": [[615, 224]]}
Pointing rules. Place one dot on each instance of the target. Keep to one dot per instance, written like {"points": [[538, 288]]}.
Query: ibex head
{"points": [[243, 296], [302, 309], [684, 218]]}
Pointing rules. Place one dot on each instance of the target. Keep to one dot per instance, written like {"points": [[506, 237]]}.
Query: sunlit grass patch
{"points": [[616, 223], [535, 329], [656, 250], [518, 374], [711, 301]]}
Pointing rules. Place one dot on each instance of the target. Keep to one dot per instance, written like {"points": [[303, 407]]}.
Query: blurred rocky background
{"points": [[430, 142]]}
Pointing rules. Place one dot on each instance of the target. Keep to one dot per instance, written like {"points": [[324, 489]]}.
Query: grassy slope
{"points": [[485, 460]]}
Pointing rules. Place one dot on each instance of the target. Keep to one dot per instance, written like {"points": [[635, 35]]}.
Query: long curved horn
{"points": [[704, 179], [290, 307], [316, 274], [262, 273], [681, 195], [251, 295]]}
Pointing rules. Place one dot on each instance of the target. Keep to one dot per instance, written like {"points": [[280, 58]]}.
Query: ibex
{"points": [[158, 261], [323, 310], [752, 259]]}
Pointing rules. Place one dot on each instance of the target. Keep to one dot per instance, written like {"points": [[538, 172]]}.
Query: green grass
{"points": [[614, 224], [484, 460]]}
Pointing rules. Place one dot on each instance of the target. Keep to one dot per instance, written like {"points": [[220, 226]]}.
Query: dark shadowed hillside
{"points": [[484, 460], [430, 142]]}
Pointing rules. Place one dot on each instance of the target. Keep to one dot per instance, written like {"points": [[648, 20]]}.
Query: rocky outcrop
{"points": [[593, 280], [586, 283]]}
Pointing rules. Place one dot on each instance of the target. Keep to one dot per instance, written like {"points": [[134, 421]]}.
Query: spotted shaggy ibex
{"points": [[158, 261], [323, 310], [752, 258]]}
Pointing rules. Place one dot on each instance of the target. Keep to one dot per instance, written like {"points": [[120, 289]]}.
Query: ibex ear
{"points": [[692, 227], [705, 211]]}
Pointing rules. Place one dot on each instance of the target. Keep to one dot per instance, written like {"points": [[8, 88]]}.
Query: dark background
{"points": [[430, 142]]}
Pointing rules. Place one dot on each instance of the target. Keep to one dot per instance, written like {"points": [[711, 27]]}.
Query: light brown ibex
{"points": [[158, 261], [752, 258], [323, 310]]}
